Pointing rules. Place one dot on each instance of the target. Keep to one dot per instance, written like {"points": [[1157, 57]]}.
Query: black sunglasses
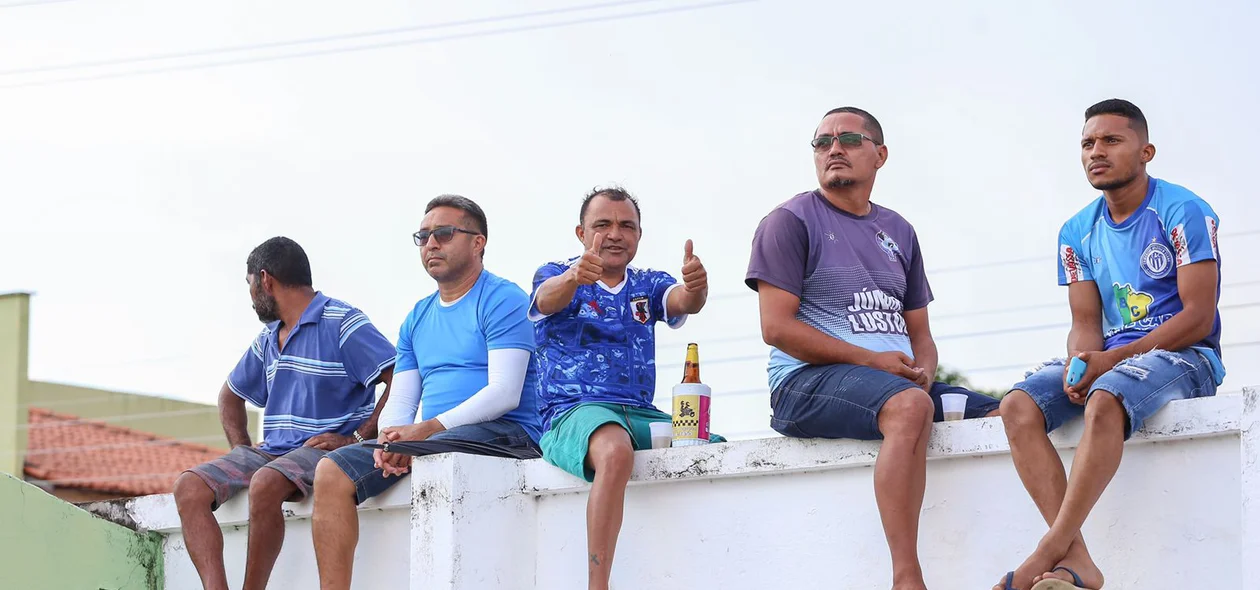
{"points": [[851, 139], [443, 234]]}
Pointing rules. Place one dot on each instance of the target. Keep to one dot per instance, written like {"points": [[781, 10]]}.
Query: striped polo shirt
{"points": [[323, 380]]}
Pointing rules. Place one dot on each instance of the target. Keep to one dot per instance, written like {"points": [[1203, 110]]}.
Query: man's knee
{"points": [[910, 410], [1104, 406], [268, 489], [1020, 414], [330, 480], [610, 450], [192, 493]]}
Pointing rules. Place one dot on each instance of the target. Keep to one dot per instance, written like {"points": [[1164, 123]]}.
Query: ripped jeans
{"points": [[1143, 383]]}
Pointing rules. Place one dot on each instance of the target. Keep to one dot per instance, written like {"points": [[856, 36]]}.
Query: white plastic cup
{"points": [[662, 434], [954, 406]]}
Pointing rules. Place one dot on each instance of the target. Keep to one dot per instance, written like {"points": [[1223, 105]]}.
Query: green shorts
{"points": [[566, 443]]}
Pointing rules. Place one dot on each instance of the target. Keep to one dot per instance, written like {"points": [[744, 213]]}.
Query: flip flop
{"points": [[1057, 584], [1010, 577]]}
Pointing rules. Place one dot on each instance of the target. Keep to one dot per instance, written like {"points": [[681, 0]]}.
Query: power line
{"points": [[315, 40], [990, 264], [32, 3], [384, 45], [1011, 330], [966, 267]]}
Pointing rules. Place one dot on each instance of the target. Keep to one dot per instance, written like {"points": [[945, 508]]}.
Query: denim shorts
{"points": [[358, 463], [843, 401], [1144, 383], [229, 474]]}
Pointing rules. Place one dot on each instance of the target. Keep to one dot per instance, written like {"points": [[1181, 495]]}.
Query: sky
{"points": [[147, 147]]}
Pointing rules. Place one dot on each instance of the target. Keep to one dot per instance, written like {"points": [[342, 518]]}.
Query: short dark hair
{"points": [[465, 204], [613, 193], [283, 259], [871, 123], [1123, 108]]}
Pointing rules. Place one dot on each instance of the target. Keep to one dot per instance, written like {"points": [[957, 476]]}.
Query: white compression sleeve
{"points": [[404, 399], [506, 368]]}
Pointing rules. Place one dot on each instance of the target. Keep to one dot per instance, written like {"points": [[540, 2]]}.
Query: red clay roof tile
{"points": [[70, 452]]}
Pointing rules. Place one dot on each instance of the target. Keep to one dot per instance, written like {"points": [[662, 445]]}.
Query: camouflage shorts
{"points": [[229, 474]]}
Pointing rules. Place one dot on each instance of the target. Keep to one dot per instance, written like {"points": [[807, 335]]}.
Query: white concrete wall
{"points": [[381, 562], [795, 514]]}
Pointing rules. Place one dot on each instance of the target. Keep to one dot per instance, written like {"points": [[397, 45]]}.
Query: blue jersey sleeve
{"points": [[661, 282], [1073, 263], [365, 352], [503, 320], [249, 378], [406, 357], [1191, 227], [544, 272]]}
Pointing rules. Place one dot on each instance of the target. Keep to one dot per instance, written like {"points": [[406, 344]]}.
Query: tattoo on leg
{"points": [[594, 559]]}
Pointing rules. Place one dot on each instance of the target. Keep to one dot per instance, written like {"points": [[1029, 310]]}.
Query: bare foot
{"points": [[1039, 562], [1079, 561]]}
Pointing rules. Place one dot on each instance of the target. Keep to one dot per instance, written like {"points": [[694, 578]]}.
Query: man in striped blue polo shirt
{"points": [[314, 370]]}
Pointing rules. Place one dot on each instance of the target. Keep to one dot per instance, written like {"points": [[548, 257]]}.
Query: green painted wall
{"points": [[47, 543], [14, 313]]}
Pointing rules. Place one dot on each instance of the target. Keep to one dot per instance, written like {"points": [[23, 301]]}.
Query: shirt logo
{"points": [[1211, 225], [1071, 264], [832, 235], [887, 245], [1180, 246], [1157, 260], [640, 310], [1132, 304]]}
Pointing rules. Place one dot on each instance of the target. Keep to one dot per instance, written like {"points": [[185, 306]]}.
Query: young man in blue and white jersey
{"points": [[464, 361], [314, 370], [595, 318], [1142, 269]]}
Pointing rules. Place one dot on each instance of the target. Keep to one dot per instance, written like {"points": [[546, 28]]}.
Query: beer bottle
{"points": [[691, 367]]}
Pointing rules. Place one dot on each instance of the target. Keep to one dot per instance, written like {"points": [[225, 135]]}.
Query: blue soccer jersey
{"points": [[602, 347], [1134, 263]]}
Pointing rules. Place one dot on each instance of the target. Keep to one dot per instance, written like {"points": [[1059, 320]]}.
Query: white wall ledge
{"points": [[1197, 418], [487, 523]]}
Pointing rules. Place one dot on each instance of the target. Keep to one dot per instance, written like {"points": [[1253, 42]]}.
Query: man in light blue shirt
{"points": [[464, 360], [1142, 269]]}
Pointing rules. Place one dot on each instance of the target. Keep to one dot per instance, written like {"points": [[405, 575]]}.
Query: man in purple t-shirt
{"points": [[844, 303]]}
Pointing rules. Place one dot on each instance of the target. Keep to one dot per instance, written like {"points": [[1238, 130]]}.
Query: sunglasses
{"points": [[443, 234], [851, 139]]}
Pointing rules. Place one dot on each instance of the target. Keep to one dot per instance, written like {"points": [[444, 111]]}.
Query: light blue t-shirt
{"points": [[450, 347], [1134, 263]]}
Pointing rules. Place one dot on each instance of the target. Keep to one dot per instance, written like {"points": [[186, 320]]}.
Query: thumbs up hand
{"points": [[695, 278], [590, 267]]}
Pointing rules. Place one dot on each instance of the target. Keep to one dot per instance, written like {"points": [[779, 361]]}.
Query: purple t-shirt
{"points": [[855, 275]]}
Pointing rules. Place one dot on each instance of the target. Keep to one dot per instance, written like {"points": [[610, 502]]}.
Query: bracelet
{"points": [[357, 437]]}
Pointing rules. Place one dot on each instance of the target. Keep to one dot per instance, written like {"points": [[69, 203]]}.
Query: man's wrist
{"points": [[1113, 357], [358, 438]]}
